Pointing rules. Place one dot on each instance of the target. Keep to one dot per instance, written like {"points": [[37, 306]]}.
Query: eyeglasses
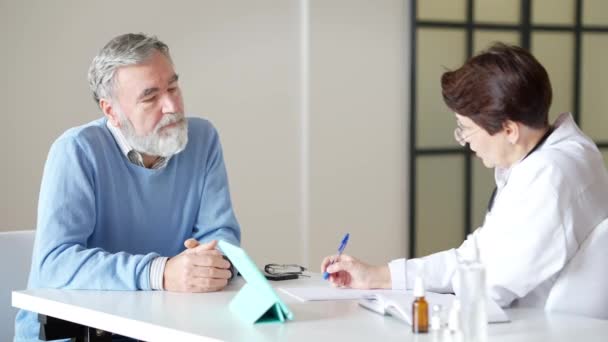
{"points": [[284, 269], [459, 134]]}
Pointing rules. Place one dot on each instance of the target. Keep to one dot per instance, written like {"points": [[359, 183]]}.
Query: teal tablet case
{"points": [[256, 302]]}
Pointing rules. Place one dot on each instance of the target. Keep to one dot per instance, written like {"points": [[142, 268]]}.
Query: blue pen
{"points": [[340, 250]]}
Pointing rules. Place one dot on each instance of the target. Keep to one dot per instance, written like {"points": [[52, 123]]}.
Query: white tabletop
{"points": [[164, 316]]}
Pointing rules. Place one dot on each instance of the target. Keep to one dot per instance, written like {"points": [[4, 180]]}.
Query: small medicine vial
{"points": [[435, 324], [420, 308]]}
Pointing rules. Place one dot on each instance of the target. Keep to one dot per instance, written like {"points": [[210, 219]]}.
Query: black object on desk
{"points": [[283, 271], [277, 277]]}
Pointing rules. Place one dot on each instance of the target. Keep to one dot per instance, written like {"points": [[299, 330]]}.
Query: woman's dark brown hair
{"points": [[502, 83]]}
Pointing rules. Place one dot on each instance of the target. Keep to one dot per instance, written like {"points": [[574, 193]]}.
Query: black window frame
{"points": [[525, 28]]}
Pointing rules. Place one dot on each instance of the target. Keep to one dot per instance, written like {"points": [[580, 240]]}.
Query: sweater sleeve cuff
{"points": [[398, 271], [157, 271]]}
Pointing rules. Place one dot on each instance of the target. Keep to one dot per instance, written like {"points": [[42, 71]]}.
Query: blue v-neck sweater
{"points": [[102, 219]]}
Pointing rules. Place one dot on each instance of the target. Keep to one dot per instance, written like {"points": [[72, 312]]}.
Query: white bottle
{"points": [[436, 321], [472, 296], [454, 331]]}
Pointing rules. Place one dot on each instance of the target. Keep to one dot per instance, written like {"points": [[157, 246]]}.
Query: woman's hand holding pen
{"points": [[353, 273]]}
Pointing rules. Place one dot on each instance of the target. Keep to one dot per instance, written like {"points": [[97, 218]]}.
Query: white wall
{"points": [[309, 97], [358, 62]]}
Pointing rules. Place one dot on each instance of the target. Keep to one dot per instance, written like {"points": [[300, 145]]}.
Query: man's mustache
{"points": [[169, 119]]}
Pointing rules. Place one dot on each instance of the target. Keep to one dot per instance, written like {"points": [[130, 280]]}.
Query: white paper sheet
{"points": [[312, 293]]}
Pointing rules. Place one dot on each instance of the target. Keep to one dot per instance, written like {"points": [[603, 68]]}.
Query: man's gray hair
{"points": [[126, 49]]}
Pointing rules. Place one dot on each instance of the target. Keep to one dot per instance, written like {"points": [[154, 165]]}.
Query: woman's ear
{"points": [[512, 131]]}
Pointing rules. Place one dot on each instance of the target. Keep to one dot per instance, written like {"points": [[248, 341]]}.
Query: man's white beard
{"points": [[165, 143]]}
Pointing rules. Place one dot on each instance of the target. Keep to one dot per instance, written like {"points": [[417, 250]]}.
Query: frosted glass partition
{"points": [[555, 50], [594, 83], [549, 12], [438, 49], [450, 10], [483, 185], [497, 11], [595, 12], [440, 204], [482, 39]]}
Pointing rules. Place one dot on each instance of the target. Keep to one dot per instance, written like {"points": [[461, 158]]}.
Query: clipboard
{"points": [[256, 302]]}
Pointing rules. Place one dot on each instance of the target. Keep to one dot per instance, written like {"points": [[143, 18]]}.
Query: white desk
{"points": [[163, 316]]}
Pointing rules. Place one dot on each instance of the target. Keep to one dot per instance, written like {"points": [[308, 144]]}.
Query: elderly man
{"points": [[122, 195]]}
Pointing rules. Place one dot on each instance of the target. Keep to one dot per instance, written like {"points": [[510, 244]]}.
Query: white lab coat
{"points": [[544, 208]]}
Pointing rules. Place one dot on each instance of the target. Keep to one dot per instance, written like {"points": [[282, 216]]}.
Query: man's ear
{"points": [[109, 111], [512, 131]]}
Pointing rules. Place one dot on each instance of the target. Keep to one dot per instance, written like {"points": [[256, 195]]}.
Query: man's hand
{"points": [[200, 268], [350, 272]]}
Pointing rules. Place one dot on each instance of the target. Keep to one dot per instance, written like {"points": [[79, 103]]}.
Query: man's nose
{"points": [[170, 104]]}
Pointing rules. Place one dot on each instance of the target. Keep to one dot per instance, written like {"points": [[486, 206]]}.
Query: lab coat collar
{"points": [[564, 128]]}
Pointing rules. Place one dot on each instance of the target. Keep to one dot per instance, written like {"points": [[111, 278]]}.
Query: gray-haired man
{"points": [[122, 195]]}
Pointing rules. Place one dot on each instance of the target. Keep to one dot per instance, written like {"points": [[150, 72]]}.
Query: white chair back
{"points": [[15, 259], [582, 286]]}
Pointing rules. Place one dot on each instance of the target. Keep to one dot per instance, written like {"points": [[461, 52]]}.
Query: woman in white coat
{"points": [[551, 185]]}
